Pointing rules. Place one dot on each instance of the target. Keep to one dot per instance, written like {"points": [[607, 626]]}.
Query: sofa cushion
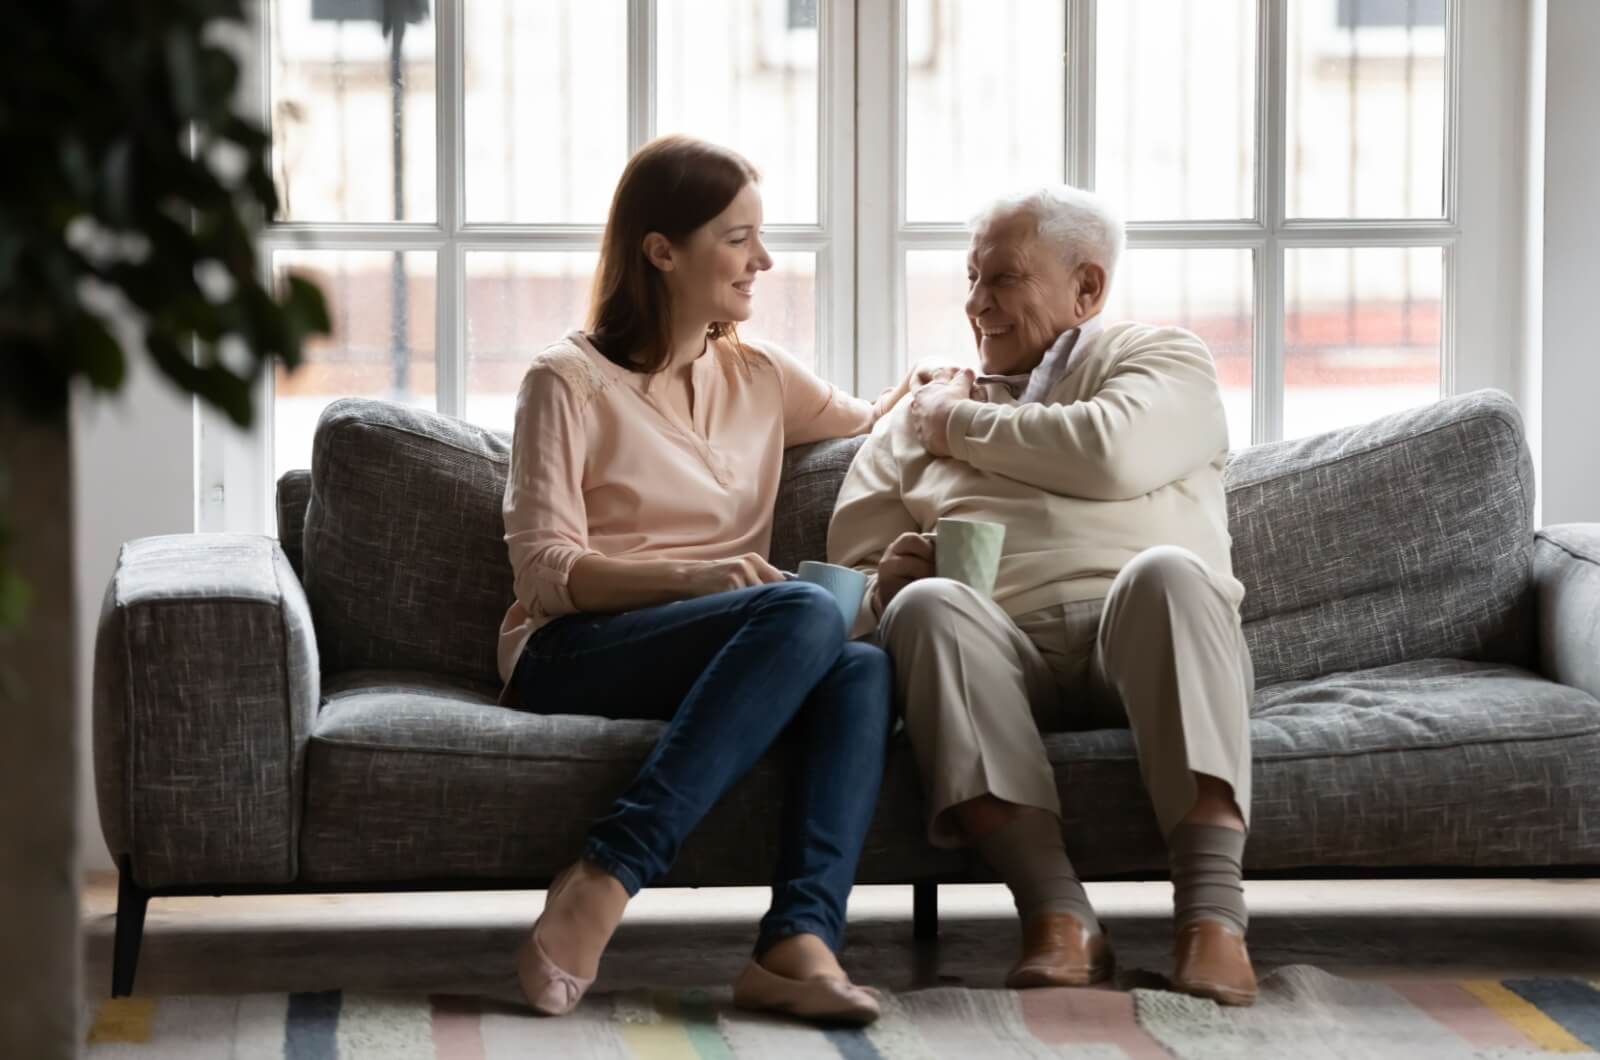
{"points": [[1438, 762], [1409, 537], [404, 556], [411, 776], [1433, 763], [812, 475]]}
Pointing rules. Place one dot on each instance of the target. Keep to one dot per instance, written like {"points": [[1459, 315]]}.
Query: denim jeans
{"points": [[732, 674]]}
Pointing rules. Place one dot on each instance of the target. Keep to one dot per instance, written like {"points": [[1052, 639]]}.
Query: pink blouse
{"points": [[601, 466]]}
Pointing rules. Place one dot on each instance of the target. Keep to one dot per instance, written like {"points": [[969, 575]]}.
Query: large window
{"points": [[1288, 169], [1284, 167]]}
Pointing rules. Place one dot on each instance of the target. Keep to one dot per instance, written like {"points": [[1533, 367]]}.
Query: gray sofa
{"points": [[317, 711]]}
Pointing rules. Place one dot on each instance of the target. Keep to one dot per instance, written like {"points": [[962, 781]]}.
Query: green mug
{"points": [[968, 551]]}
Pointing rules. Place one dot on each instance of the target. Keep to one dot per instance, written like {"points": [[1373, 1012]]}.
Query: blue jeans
{"points": [[731, 673]]}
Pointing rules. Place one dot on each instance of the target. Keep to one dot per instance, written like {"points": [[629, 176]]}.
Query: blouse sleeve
{"points": [[814, 409], [546, 525]]}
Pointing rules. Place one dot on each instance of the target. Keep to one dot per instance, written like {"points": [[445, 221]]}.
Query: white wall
{"points": [[133, 476], [1566, 384]]}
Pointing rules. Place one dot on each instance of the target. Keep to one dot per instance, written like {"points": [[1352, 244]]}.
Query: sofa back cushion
{"points": [[1408, 537], [403, 551]]}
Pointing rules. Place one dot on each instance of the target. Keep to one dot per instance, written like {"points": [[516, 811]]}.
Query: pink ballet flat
{"points": [[550, 990], [825, 999]]}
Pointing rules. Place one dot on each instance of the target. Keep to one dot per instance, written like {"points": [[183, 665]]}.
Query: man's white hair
{"points": [[1079, 224]]}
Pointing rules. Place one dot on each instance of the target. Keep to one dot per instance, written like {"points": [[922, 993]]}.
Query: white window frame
{"points": [[860, 266], [1473, 234], [236, 487]]}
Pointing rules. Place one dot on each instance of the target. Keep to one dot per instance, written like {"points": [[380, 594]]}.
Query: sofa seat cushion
{"points": [[1437, 762], [412, 776]]}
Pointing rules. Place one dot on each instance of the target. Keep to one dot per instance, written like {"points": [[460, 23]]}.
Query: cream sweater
{"points": [[1125, 452]]}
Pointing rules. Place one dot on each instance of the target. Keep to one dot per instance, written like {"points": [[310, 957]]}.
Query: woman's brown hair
{"points": [[672, 185]]}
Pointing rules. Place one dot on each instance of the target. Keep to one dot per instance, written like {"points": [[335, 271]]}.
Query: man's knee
{"points": [[925, 605], [1160, 573]]}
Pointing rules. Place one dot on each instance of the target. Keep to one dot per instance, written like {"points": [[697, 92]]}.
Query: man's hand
{"points": [[932, 406], [922, 373], [908, 558]]}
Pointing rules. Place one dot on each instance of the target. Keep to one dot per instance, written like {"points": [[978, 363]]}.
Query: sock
{"points": [[1207, 875], [1029, 856]]}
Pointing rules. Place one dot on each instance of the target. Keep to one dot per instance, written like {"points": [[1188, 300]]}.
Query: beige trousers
{"points": [[1162, 653]]}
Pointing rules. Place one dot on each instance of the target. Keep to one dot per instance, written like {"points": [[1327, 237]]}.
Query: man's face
{"points": [[1020, 295]]}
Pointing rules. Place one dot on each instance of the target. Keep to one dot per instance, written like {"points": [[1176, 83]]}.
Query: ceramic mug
{"points": [[847, 586], [968, 551]]}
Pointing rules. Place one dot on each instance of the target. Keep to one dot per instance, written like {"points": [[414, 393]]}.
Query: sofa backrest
{"points": [[1407, 537], [403, 555]]}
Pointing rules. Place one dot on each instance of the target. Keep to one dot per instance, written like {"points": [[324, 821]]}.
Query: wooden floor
{"points": [[462, 942]]}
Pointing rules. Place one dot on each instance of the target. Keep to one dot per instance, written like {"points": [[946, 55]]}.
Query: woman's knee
{"points": [[810, 613]]}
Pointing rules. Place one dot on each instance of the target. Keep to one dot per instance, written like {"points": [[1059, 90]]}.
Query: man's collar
{"points": [[1063, 353]]}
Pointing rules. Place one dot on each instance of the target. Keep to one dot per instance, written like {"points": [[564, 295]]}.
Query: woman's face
{"points": [[712, 273]]}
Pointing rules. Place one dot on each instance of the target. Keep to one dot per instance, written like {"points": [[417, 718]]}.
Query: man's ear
{"points": [[1091, 289], [658, 251]]}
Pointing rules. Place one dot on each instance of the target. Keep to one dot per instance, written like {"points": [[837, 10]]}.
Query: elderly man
{"points": [[1100, 448]]}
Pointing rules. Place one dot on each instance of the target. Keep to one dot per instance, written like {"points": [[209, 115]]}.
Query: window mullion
{"points": [[879, 182], [450, 337], [1267, 369], [1079, 79], [641, 73]]}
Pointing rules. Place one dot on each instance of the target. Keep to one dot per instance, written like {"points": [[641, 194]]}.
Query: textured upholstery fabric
{"points": [[812, 475], [404, 554], [294, 493], [1390, 571], [206, 680], [1436, 762], [412, 776], [1567, 593], [1406, 538]]}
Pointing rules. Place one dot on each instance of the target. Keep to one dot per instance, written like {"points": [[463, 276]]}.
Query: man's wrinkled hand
{"points": [[908, 558], [932, 406]]}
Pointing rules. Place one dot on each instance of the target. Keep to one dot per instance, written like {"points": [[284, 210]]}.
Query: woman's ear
{"points": [[658, 251]]}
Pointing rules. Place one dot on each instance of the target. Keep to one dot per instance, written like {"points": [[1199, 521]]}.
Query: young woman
{"points": [[638, 512]]}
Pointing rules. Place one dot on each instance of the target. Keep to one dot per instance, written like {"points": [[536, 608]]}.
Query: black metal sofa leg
{"points": [[131, 903], [925, 911]]}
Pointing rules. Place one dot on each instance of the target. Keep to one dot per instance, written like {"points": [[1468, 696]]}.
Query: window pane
{"points": [[936, 325], [1361, 334], [352, 112], [1206, 291], [1175, 107], [985, 98], [786, 305], [546, 109], [382, 346], [743, 73], [517, 304], [1366, 108]]}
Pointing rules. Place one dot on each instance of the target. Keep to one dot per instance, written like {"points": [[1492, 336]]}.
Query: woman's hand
{"points": [[908, 558], [704, 577]]}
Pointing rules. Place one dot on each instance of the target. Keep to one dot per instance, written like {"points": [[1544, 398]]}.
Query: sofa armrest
{"points": [[206, 683], [1566, 575]]}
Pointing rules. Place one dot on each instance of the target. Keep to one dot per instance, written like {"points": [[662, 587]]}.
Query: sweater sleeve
{"points": [[546, 526], [1157, 417], [868, 515], [814, 409]]}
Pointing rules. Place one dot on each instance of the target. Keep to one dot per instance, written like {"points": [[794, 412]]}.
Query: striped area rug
{"points": [[1302, 1013]]}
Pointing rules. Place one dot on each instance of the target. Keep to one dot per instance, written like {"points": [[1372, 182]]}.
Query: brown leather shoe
{"points": [[1212, 962], [1057, 950]]}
